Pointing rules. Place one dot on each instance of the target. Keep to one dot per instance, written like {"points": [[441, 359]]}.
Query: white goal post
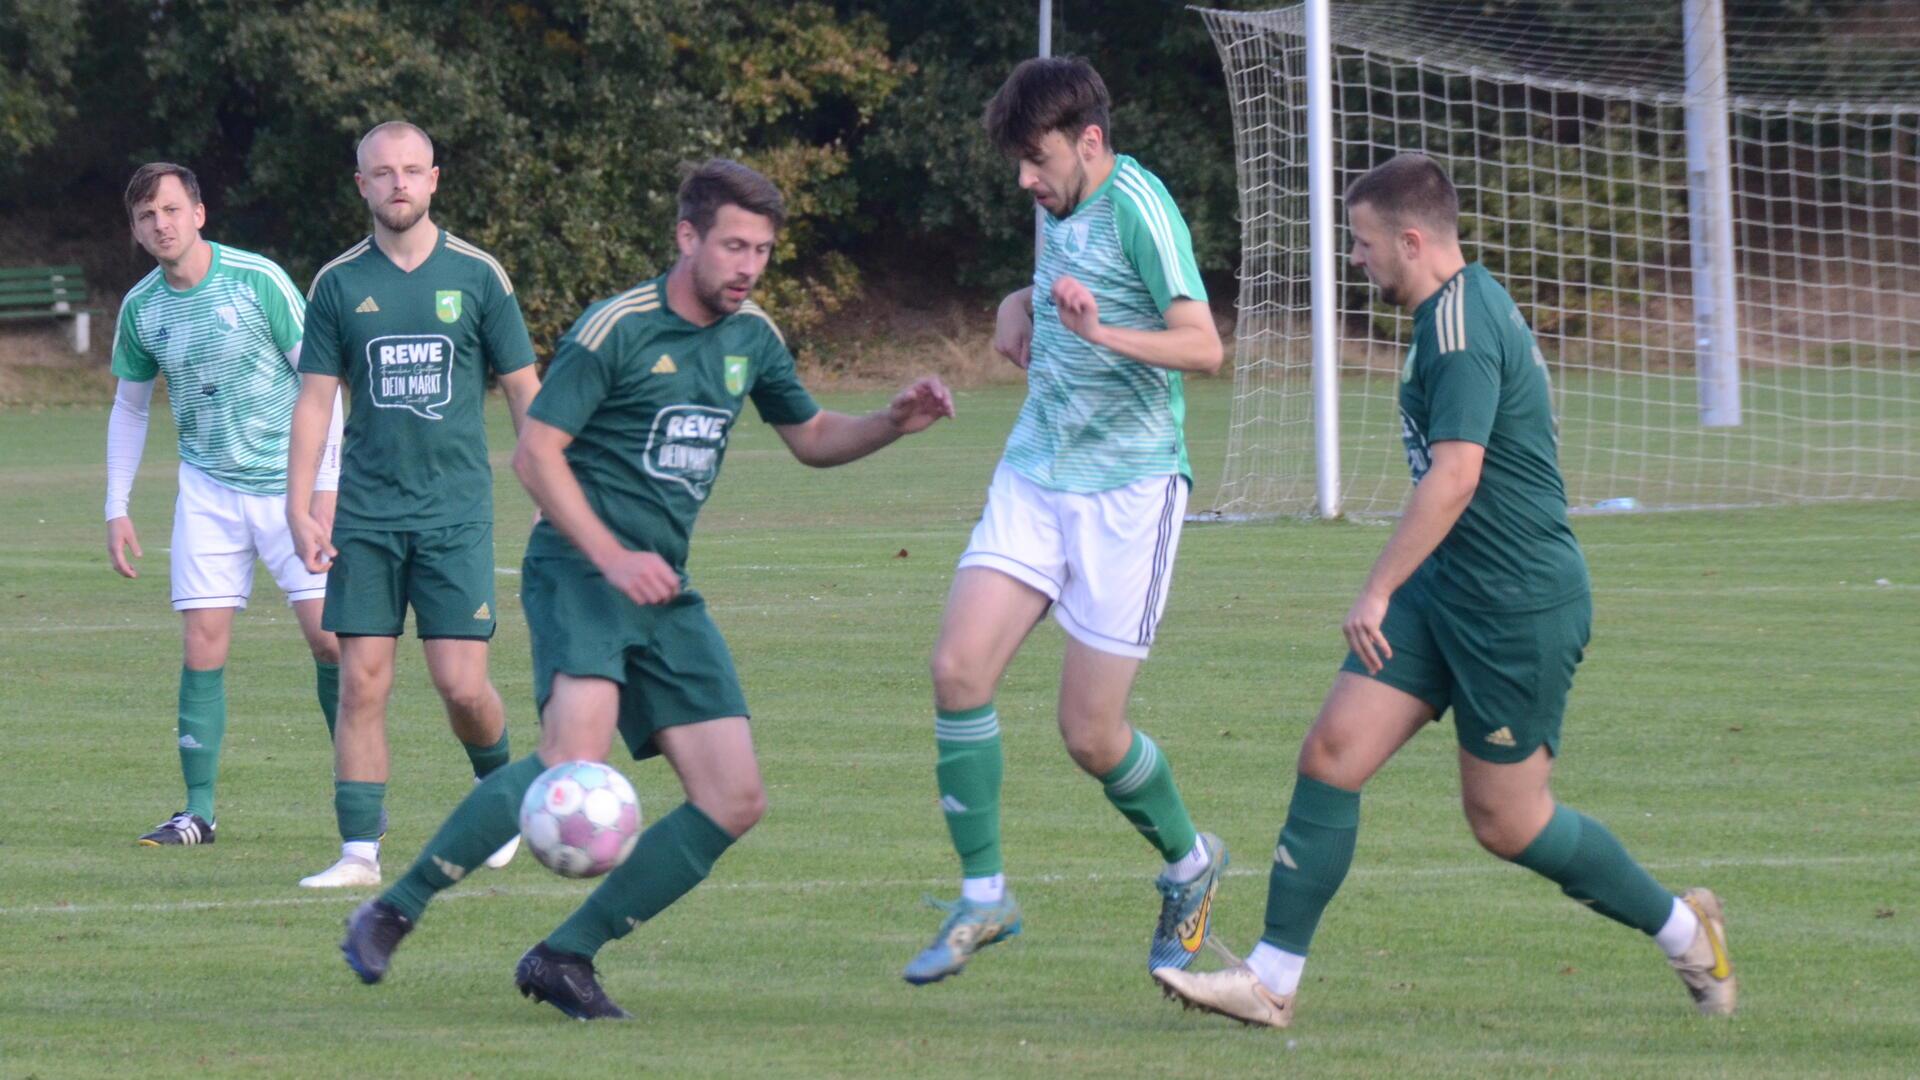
{"points": [[1711, 221]]}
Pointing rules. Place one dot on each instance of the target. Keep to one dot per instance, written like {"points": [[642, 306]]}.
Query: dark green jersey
{"points": [[649, 399], [1474, 374], [414, 349]]}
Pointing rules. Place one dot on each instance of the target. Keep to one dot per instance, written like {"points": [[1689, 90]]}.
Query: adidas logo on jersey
{"points": [[367, 307], [483, 612], [665, 365], [1502, 737]]}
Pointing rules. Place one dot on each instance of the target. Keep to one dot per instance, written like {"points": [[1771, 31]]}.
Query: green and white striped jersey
{"points": [[1095, 420], [223, 346]]}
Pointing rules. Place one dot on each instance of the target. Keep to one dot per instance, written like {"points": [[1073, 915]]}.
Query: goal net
{"points": [[1566, 134]]}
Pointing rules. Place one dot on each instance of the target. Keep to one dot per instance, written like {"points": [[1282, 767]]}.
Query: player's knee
{"points": [[739, 809], [1327, 756], [470, 697], [956, 683], [325, 649], [1503, 834], [1097, 751]]}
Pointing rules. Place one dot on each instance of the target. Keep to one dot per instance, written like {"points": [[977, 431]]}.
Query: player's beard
{"points": [[1071, 194], [713, 294], [1392, 289], [401, 218]]}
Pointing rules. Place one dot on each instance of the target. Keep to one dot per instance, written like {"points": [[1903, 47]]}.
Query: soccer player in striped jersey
{"points": [[411, 319], [224, 326], [1479, 605], [1083, 514]]}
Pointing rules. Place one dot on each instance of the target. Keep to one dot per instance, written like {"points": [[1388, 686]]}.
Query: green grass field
{"points": [[1744, 720]]}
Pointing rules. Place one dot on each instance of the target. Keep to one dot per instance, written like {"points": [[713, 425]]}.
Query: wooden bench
{"points": [[47, 292]]}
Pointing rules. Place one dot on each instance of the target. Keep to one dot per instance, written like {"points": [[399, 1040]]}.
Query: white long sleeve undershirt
{"points": [[126, 440]]}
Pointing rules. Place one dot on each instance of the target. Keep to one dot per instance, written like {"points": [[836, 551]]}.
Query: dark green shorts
{"points": [[445, 575], [1505, 674], [672, 665]]}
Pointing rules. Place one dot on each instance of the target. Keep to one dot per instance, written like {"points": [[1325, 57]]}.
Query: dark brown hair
{"points": [[1409, 188], [146, 181], [1047, 94], [720, 182]]}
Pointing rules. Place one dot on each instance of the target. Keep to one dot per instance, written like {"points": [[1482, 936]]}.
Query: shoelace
{"points": [[182, 822], [1172, 893]]}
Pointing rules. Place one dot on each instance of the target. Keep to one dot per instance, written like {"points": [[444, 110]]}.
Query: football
{"points": [[580, 819]]}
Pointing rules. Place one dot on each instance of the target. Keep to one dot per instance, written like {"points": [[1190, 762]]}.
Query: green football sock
{"points": [[326, 681], [1578, 854], [203, 726], [673, 855], [1142, 788], [487, 818], [1310, 862], [486, 759], [968, 771], [356, 806]]}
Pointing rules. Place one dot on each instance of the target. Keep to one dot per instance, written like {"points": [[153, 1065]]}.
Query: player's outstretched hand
{"points": [[1013, 330], [919, 405], [642, 577], [1079, 311], [1364, 637], [311, 540], [120, 537]]}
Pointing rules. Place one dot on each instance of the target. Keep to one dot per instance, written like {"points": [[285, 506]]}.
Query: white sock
{"points": [[984, 890], [1279, 970], [1192, 864], [361, 849], [1677, 934]]}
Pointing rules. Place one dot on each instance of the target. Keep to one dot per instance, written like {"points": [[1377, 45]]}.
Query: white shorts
{"points": [[1104, 558], [217, 533]]}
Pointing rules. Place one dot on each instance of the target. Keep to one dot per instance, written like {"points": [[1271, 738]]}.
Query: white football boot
{"points": [[350, 872]]}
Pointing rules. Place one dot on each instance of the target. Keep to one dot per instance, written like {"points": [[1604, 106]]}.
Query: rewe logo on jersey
{"points": [[684, 446], [410, 371]]}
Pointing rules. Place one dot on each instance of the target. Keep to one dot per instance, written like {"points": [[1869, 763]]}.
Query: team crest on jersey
{"points": [[229, 317], [736, 375], [1073, 238], [446, 304]]}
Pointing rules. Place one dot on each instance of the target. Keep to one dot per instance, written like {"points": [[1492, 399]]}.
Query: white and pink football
{"points": [[580, 819]]}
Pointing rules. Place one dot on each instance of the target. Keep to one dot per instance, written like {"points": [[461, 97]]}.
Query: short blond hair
{"points": [[391, 127]]}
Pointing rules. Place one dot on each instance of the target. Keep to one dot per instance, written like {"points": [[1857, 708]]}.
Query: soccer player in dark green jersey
{"points": [[1478, 604], [411, 319], [620, 450]]}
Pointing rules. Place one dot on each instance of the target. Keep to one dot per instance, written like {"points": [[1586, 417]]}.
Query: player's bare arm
{"points": [[520, 386], [1189, 343], [313, 411], [1436, 504], [1013, 327], [831, 438], [541, 464]]}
